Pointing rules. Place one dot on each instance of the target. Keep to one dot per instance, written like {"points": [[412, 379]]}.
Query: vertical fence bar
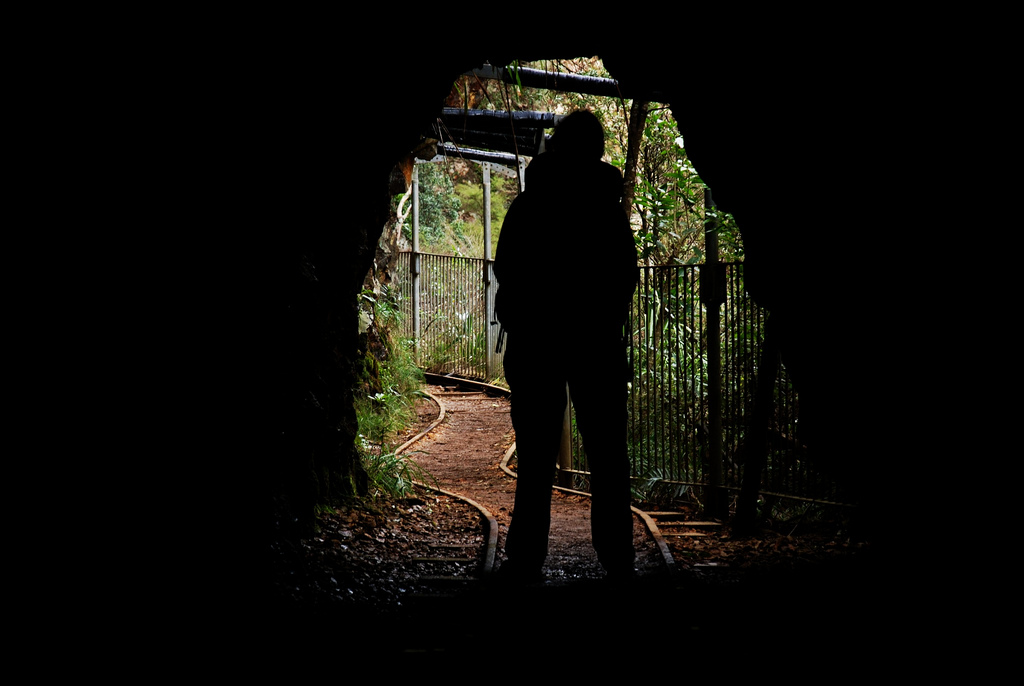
{"points": [[675, 395], [694, 386], [632, 432], [658, 368], [691, 353], [730, 379], [565, 452], [684, 349], [702, 344], [717, 503]]}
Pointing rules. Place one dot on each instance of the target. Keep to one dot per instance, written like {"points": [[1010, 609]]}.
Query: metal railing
{"points": [[668, 404], [455, 315]]}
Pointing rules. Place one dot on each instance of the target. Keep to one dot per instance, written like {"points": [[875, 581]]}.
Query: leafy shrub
{"points": [[385, 402]]}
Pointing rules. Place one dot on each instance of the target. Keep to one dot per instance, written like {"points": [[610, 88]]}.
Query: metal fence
{"points": [[454, 317], [671, 443], [670, 410]]}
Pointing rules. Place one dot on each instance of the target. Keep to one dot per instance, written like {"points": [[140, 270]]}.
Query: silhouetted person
{"points": [[566, 271]]}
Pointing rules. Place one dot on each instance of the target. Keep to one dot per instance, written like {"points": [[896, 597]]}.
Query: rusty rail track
{"points": [[487, 555]]}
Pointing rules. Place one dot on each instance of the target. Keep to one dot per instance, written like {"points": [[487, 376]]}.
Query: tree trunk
{"points": [[635, 135]]}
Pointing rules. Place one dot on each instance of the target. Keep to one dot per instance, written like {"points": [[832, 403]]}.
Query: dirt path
{"points": [[464, 454], [365, 573]]}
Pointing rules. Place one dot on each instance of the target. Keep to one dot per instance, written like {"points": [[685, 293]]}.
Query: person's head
{"points": [[579, 135]]}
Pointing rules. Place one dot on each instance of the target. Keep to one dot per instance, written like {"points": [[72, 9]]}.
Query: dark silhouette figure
{"points": [[566, 270]]}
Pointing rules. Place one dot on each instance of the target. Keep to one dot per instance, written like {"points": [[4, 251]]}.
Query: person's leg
{"points": [[600, 409], [538, 404]]}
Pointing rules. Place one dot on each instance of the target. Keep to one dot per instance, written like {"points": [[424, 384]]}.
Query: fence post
{"points": [[489, 356], [414, 263], [565, 447], [756, 450], [711, 294]]}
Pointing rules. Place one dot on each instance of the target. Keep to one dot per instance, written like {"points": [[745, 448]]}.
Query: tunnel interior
{"points": [[764, 136]]}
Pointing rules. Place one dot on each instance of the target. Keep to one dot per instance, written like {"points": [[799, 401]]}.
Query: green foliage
{"points": [[730, 247], [440, 208], [452, 208], [667, 401], [462, 345], [669, 201], [471, 193], [385, 399], [393, 476], [654, 488]]}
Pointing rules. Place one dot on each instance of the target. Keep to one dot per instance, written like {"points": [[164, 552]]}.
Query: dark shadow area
{"points": [[771, 138]]}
